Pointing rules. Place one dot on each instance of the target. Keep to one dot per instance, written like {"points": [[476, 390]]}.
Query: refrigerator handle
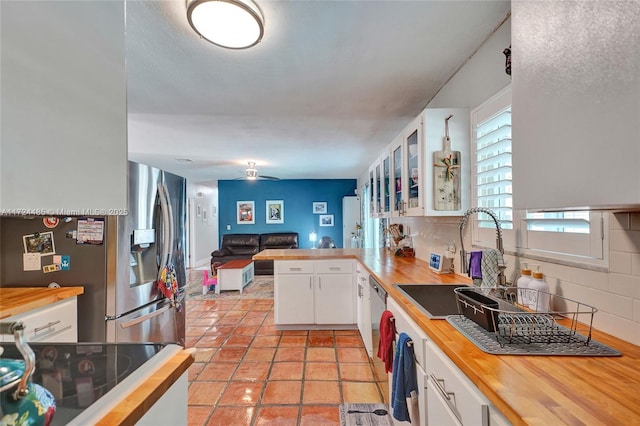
{"points": [[165, 221], [172, 231], [146, 317]]}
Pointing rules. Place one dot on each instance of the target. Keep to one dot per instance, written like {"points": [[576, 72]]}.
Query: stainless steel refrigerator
{"points": [[122, 301]]}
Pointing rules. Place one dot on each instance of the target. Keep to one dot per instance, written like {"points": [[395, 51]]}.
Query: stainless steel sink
{"points": [[435, 300]]}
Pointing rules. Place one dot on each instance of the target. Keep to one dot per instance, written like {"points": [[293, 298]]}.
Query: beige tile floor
{"points": [[248, 373]]}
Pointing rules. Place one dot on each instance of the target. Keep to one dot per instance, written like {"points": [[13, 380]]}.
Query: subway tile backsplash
{"points": [[616, 293]]}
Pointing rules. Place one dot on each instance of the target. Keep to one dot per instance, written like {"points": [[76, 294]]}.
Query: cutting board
{"points": [[446, 175]]}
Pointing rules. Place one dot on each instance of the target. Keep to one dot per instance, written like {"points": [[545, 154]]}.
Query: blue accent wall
{"points": [[298, 197]]}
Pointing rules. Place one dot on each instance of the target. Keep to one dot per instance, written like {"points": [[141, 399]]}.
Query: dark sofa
{"points": [[244, 246]]}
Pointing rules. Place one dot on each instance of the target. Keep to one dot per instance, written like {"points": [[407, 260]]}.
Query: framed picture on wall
{"points": [[275, 211], [245, 212], [319, 207], [326, 220]]}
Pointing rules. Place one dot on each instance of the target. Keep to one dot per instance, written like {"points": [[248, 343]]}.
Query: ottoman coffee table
{"points": [[235, 275]]}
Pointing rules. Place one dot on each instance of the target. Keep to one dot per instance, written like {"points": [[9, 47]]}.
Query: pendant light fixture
{"points": [[234, 24]]}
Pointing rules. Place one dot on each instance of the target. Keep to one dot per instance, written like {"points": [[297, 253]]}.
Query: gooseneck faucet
{"points": [[502, 279]]}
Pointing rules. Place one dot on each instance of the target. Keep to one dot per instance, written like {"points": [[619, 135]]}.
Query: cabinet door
{"points": [[461, 396], [293, 299], [438, 411], [363, 310], [335, 299], [385, 181], [378, 188], [373, 192], [413, 173], [64, 108], [575, 108], [397, 192]]}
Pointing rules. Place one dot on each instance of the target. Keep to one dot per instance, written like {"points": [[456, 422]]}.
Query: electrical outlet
{"points": [[228, 227], [452, 247]]}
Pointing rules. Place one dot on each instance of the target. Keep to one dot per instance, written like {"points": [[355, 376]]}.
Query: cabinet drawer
{"points": [[462, 397], [53, 323], [404, 324], [335, 266], [293, 267]]}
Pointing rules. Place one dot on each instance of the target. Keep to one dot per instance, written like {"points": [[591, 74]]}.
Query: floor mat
{"points": [[363, 415]]}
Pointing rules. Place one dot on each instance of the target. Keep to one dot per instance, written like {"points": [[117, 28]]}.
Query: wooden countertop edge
{"points": [[510, 401], [18, 300], [140, 400]]}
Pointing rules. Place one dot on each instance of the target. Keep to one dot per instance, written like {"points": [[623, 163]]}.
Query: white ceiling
{"points": [[329, 86]]}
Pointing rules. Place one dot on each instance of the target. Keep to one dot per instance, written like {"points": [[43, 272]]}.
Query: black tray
{"points": [[474, 306]]}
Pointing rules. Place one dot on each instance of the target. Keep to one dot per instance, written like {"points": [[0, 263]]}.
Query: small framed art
{"points": [[245, 212], [326, 220], [319, 207], [275, 211]]}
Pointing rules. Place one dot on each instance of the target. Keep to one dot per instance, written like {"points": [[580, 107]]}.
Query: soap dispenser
{"points": [[539, 293], [523, 284]]}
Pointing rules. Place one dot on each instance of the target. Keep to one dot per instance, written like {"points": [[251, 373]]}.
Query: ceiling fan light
{"points": [[234, 24], [252, 172]]}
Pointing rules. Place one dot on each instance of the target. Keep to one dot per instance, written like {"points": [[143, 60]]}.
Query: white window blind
{"points": [[493, 167]]}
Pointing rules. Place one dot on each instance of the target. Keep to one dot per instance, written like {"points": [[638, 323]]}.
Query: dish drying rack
{"points": [[497, 311]]}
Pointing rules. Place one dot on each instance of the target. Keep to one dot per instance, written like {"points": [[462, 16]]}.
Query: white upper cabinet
{"points": [[385, 184], [410, 176], [63, 144], [396, 151], [413, 171], [576, 104]]}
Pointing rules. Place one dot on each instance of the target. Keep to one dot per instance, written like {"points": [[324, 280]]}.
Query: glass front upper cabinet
{"points": [[396, 189], [372, 193], [378, 205], [413, 171], [386, 173]]}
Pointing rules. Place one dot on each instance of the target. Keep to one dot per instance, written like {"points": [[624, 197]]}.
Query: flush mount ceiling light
{"points": [[234, 24]]}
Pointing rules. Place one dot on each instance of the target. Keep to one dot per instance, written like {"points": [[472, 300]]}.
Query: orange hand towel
{"points": [[387, 336]]}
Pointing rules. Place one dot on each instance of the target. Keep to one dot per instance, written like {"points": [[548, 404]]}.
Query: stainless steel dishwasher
{"points": [[378, 297]]}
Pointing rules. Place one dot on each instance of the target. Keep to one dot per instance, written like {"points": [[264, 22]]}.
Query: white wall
{"points": [[616, 293], [203, 227]]}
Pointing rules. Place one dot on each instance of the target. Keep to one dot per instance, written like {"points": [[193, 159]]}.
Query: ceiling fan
{"points": [[251, 173]]}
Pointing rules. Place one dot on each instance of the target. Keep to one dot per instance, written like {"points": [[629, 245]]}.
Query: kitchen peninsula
{"points": [[96, 383], [524, 389]]}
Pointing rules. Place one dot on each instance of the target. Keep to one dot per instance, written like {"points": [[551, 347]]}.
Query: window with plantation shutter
{"points": [[491, 169], [574, 236]]}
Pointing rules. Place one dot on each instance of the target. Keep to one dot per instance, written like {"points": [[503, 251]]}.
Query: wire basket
{"points": [[498, 311]]}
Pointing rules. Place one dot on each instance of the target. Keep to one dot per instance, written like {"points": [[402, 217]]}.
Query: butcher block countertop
{"points": [[17, 300], [535, 390], [135, 402]]}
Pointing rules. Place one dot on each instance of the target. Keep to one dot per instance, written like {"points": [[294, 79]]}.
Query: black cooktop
{"points": [[77, 374]]}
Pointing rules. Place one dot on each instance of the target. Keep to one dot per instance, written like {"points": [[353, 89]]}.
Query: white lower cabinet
{"points": [[438, 403], [318, 292], [452, 398], [446, 396], [404, 324], [334, 299], [363, 309], [293, 299], [55, 323], [171, 408]]}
